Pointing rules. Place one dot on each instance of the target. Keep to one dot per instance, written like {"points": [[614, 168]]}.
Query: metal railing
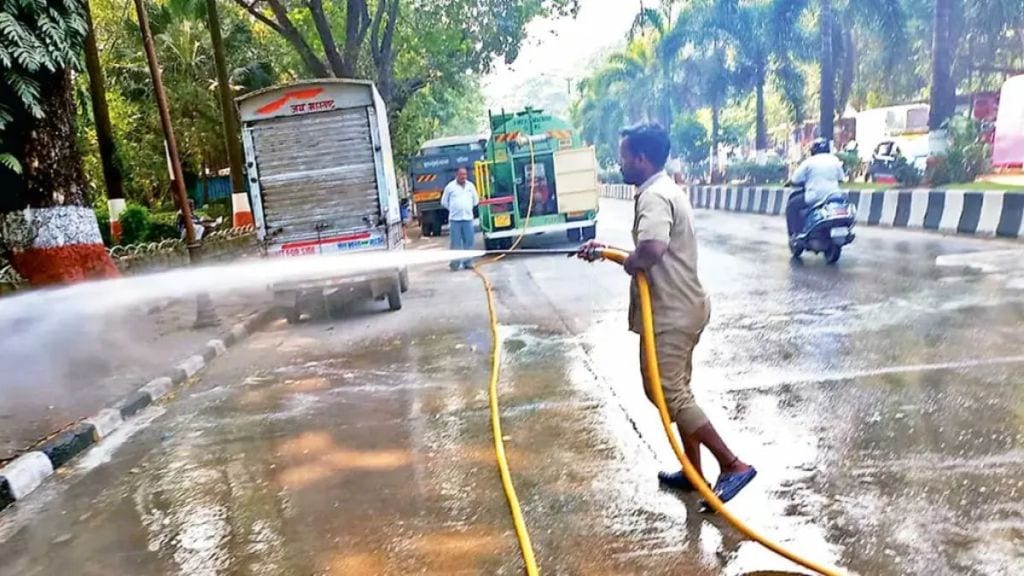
{"points": [[221, 245]]}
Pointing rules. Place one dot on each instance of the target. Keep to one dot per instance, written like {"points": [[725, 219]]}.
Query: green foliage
{"points": [[220, 209], [134, 224], [906, 173], [36, 38], [968, 155], [690, 139], [754, 173], [851, 163], [163, 226], [11, 163]]}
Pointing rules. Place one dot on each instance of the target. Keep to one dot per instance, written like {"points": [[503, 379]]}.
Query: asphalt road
{"points": [[881, 400]]}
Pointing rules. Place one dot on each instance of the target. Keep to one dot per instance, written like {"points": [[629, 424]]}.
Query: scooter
{"points": [[828, 226]]}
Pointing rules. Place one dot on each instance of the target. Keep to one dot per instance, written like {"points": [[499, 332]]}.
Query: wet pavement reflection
{"points": [[881, 401]]}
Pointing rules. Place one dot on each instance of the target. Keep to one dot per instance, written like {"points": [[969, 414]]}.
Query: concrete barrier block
{"points": [[157, 388], [105, 422], [217, 346], [24, 474], [192, 365]]}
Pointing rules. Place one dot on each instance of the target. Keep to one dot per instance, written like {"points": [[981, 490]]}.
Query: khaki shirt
{"points": [[663, 213]]}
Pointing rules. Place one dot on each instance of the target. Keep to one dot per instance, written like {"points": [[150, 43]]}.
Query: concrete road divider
{"points": [[976, 213]]}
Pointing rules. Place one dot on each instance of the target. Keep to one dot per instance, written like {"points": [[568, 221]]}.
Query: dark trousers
{"points": [[795, 213]]}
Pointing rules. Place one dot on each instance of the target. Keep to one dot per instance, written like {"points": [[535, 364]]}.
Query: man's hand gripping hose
{"points": [[594, 251]]}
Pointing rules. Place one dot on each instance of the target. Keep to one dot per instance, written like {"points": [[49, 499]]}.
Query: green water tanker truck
{"points": [[537, 178]]}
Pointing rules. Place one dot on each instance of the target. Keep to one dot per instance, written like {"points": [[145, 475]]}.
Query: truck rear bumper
{"points": [[546, 229]]}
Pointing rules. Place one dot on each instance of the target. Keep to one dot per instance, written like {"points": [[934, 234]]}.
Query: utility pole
{"points": [[231, 128], [205, 315]]}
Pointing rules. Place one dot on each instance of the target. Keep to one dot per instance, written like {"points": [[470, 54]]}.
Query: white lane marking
{"points": [[765, 381]]}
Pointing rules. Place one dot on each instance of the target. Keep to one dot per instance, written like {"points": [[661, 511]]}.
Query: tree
{"points": [[690, 141], [45, 231], [765, 42], [112, 176], [828, 77], [232, 131], [942, 97], [451, 36]]}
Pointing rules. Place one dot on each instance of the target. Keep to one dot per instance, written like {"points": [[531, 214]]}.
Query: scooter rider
{"points": [[819, 176]]}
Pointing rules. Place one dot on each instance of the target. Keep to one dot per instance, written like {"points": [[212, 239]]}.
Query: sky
{"points": [[559, 49]]}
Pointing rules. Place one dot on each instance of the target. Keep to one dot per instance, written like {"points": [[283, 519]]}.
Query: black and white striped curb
{"points": [[977, 213], [26, 472]]}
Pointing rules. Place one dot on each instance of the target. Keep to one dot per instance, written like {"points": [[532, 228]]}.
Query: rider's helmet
{"points": [[821, 146]]}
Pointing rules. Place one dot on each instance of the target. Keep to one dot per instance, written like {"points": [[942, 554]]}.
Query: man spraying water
{"points": [[666, 251]]}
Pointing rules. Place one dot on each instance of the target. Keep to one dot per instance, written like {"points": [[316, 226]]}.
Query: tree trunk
{"points": [[828, 76], [112, 176], [232, 137], [716, 128], [45, 231], [761, 136], [942, 99], [848, 74]]}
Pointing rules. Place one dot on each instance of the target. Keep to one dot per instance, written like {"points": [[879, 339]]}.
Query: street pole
{"points": [[205, 315]]}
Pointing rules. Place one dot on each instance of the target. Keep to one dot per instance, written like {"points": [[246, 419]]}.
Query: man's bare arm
{"points": [[647, 255]]}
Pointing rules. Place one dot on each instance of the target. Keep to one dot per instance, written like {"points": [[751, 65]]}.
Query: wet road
{"points": [[882, 401]]}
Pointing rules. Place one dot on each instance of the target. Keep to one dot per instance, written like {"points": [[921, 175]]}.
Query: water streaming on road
{"points": [[102, 296]]}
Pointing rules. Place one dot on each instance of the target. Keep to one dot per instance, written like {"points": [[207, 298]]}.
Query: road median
{"points": [[991, 214]]}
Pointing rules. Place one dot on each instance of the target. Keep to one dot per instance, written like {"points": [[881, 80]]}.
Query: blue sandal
{"points": [[729, 486]]}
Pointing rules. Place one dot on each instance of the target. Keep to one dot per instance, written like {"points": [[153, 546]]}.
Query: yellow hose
{"points": [[522, 533], [666, 421]]}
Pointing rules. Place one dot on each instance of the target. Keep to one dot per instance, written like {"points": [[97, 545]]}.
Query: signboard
{"points": [[345, 243]]}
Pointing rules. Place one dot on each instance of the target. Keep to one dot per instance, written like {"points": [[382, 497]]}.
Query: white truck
{"points": [[322, 181]]}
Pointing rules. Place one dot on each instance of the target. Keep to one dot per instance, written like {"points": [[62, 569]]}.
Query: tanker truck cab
{"points": [[434, 167], [538, 179], [322, 181]]}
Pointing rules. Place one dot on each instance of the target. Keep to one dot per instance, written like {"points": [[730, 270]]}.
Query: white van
{"points": [[322, 180]]}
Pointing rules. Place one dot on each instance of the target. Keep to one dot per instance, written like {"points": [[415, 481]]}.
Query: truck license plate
{"points": [[840, 232], [502, 220]]}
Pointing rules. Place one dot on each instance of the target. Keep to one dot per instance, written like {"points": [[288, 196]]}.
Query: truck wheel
{"points": [[590, 232], [403, 281], [292, 314], [574, 234], [436, 226], [395, 299]]}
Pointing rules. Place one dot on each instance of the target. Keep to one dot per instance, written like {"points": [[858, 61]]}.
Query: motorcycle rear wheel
{"points": [[833, 253]]}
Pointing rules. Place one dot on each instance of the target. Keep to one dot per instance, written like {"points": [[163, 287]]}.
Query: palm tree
{"points": [[765, 42], [942, 97], [46, 234], [828, 76]]}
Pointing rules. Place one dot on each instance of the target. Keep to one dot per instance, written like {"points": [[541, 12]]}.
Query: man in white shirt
{"points": [[459, 198], [820, 176]]}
